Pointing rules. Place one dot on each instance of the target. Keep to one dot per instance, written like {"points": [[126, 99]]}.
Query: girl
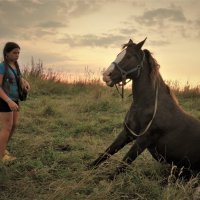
{"points": [[9, 96]]}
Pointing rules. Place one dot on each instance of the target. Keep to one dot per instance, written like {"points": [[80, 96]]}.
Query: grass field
{"points": [[63, 127]]}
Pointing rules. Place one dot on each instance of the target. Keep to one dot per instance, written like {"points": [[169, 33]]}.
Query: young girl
{"points": [[9, 97]]}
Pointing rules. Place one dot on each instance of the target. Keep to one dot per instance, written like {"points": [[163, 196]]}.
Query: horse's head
{"points": [[127, 64]]}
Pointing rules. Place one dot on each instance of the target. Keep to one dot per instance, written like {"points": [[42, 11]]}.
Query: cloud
{"points": [[167, 24], [159, 42], [52, 24], [81, 7], [104, 40], [46, 57], [197, 23], [27, 16], [90, 40], [6, 31], [160, 16], [128, 30], [24, 17], [47, 19]]}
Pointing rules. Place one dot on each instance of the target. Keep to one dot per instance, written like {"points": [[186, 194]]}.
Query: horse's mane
{"points": [[154, 69], [154, 66], [155, 75]]}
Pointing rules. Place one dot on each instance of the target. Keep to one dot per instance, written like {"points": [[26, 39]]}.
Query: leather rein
{"points": [[150, 122]]}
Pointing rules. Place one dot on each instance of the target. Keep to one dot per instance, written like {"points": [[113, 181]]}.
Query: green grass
{"points": [[65, 126]]}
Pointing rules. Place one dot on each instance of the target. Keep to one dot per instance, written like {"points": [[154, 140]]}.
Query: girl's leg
{"points": [[14, 125], [6, 120]]}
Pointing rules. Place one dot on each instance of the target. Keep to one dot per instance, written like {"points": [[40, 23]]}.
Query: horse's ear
{"points": [[130, 41], [140, 44]]}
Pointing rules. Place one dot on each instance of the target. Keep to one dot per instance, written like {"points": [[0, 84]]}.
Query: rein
{"points": [[149, 124], [122, 93], [125, 73]]}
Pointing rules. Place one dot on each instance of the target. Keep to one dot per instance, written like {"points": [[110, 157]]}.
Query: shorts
{"points": [[4, 106]]}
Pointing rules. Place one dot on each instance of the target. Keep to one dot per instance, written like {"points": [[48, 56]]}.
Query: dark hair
{"points": [[9, 46]]}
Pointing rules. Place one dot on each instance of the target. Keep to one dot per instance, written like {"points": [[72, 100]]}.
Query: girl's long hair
{"points": [[9, 46]]}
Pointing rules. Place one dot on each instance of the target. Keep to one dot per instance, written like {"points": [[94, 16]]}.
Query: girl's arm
{"points": [[3, 95], [13, 106]]}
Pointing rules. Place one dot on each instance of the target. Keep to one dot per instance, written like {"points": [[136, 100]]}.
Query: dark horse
{"points": [[155, 120]]}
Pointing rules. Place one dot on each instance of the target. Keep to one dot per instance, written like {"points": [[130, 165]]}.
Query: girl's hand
{"points": [[25, 84], [12, 105]]}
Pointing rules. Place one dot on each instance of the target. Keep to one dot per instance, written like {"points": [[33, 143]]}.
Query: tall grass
{"points": [[186, 90], [48, 77], [38, 71]]}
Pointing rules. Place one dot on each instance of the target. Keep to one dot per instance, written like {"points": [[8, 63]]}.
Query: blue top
{"points": [[11, 88]]}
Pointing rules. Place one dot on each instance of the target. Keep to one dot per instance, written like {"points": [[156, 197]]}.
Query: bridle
{"points": [[124, 73]]}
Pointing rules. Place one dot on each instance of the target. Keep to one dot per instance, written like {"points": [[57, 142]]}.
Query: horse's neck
{"points": [[144, 89]]}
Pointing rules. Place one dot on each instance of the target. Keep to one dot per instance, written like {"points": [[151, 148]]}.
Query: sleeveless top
{"points": [[9, 84]]}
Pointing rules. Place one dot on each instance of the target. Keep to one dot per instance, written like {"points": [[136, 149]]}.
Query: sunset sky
{"points": [[69, 35]]}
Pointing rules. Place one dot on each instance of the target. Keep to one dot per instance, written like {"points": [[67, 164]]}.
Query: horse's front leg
{"points": [[141, 143], [122, 139]]}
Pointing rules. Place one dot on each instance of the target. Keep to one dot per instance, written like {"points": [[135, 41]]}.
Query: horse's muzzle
{"points": [[108, 80]]}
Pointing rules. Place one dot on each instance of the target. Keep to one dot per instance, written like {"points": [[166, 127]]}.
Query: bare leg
{"points": [[15, 121], [6, 120], [122, 139]]}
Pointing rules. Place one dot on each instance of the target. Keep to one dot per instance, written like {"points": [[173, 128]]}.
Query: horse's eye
{"points": [[128, 56]]}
